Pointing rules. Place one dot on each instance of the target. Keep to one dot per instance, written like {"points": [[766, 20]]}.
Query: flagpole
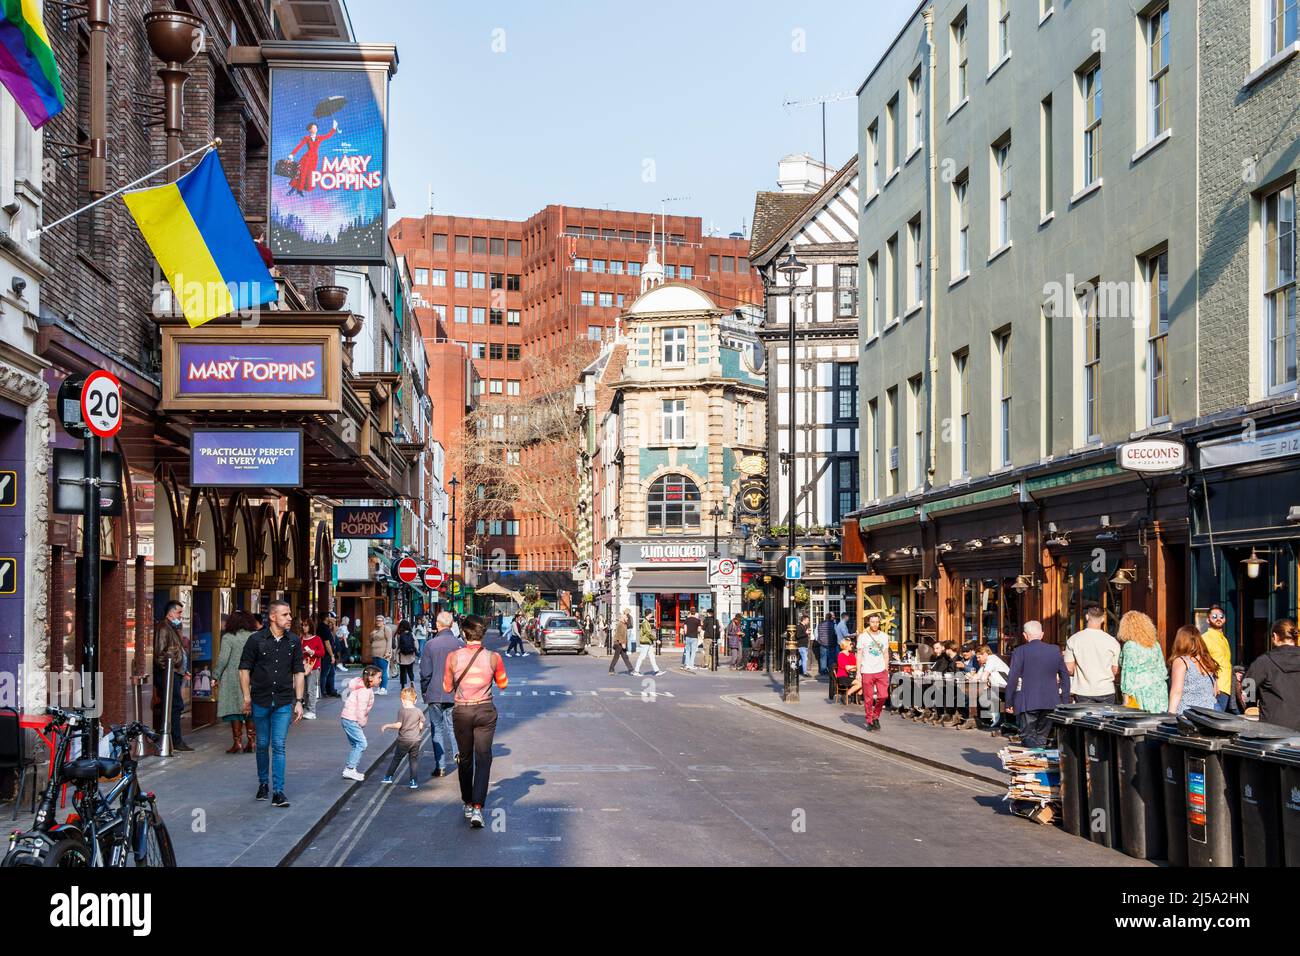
{"points": [[32, 234]]}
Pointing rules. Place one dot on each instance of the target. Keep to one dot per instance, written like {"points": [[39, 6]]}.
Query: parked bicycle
{"points": [[115, 829]]}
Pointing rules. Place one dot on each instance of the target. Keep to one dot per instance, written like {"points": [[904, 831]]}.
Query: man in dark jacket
{"points": [[1037, 683], [168, 646], [620, 642], [711, 634], [1273, 680], [433, 662], [828, 648]]}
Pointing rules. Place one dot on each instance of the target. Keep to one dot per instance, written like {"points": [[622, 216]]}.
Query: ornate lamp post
{"points": [[792, 269]]}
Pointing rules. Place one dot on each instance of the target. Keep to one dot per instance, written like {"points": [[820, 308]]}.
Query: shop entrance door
{"points": [[670, 611], [1254, 610]]}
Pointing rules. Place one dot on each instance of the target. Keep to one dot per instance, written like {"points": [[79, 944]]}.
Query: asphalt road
{"points": [[593, 769]]}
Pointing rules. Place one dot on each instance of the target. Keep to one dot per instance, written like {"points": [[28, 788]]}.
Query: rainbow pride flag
{"points": [[27, 67], [197, 234]]}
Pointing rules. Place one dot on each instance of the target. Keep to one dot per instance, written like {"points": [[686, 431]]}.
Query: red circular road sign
{"points": [[101, 403], [407, 570], [432, 578]]}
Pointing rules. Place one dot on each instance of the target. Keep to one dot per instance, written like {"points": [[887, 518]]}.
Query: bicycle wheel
{"points": [[68, 852], [155, 846]]}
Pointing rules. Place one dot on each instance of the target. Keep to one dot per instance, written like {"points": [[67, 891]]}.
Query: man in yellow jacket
{"points": [[1217, 644]]}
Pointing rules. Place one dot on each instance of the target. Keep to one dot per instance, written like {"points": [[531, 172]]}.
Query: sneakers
{"points": [[412, 786], [182, 747], [310, 715], [352, 773], [387, 780], [263, 791], [476, 818], [382, 692], [279, 800], [469, 810], [875, 724], [657, 673], [635, 673]]}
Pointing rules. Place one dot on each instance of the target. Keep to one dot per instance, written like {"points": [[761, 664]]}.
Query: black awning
{"points": [[669, 582]]}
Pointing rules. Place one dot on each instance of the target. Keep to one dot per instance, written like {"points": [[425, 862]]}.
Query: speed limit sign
{"points": [[101, 403]]}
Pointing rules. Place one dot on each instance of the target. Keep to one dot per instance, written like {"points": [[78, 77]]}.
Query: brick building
{"points": [[508, 291]]}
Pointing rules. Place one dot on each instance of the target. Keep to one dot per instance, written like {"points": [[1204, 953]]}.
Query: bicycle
{"points": [[116, 829]]}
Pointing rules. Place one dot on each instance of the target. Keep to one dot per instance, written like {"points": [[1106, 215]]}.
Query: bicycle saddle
{"points": [[92, 768]]}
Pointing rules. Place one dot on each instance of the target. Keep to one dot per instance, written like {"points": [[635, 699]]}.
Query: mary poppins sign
{"points": [[364, 521]]}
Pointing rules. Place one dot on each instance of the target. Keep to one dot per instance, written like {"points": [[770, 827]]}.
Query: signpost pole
{"points": [[90, 592]]}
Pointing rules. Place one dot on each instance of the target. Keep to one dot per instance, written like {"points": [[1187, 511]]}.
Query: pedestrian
{"points": [[1143, 676], [421, 632], [1273, 679], [828, 644], [342, 636], [801, 641], [330, 663], [620, 642], [433, 661], [691, 629], [735, 641], [1092, 658], [410, 732], [407, 653], [356, 711], [646, 643], [468, 677], [312, 653], [1037, 683], [240, 625], [271, 679], [1216, 642], [1193, 673], [842, 628], [516, 640], [169, 646], [711, 630], [380, 647], [873, 654]]}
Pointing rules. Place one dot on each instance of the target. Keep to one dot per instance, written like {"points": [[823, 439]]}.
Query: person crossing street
{"points": [[646, 647], [620, 643]]}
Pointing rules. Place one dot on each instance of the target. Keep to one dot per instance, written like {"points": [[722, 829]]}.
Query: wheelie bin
{"points": [[1073, 763], [1288, 759], [1101, 782], [1259, 783], [1143, 834], [1173, 778]]}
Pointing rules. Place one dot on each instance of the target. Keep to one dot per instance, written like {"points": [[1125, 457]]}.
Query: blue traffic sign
{"points": [[793, 567]]}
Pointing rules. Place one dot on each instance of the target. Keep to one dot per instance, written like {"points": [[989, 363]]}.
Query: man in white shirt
{"points": [[873, 669], [842, 628], [1092, 658]]}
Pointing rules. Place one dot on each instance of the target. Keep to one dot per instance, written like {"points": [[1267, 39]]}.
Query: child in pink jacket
{"points": [[356, 711]]}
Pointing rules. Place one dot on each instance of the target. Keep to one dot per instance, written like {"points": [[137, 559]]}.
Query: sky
{"points": [[504, 107]]}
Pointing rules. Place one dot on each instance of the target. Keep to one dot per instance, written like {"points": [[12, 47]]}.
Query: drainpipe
{"points": [[932, 185]]}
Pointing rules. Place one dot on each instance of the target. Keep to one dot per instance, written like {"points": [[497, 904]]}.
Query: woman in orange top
{"points": [[469, 675]]}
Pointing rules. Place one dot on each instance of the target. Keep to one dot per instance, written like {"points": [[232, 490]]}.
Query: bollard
{"points": [[137, 697], [165, 746]]}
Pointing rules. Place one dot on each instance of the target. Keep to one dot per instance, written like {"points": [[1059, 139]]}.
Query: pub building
{"points": [[1042, 545]]}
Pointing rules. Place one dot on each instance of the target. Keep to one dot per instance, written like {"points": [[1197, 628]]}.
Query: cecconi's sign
{"points": [[1152, 456]]}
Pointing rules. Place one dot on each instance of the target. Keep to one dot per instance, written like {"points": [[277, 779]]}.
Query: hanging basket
{"points": [[754, 594], [801, 594]]}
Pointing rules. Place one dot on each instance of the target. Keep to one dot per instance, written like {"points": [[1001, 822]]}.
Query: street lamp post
{"points": [[717, 512], [451, 573], [792, 269]]}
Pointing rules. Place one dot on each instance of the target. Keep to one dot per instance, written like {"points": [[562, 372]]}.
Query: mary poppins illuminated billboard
{"points": [[328, 163]]}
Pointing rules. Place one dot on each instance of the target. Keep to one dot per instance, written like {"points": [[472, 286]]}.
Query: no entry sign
{"points": [[101, 403], [407, 570], [432, 578]]}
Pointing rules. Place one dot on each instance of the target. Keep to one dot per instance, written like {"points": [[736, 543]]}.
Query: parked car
{"points": [[545, 617], [562, 633]]}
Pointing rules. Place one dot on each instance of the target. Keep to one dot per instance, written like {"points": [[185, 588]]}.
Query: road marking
{"points": [[551, 839]]}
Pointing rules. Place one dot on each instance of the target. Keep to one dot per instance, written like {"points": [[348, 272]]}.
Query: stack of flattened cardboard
{"points": [[1035, 779]]}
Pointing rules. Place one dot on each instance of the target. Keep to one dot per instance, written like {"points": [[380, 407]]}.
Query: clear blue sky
{"points": [[584, 93]]}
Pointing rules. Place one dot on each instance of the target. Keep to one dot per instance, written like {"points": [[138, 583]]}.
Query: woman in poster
{"points": [[310, 162]]}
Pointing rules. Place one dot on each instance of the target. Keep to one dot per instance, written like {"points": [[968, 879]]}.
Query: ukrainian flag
{"points": [[199, 238]]}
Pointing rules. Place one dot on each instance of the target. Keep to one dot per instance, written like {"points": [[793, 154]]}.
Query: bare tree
{"points": [[520, 455]]}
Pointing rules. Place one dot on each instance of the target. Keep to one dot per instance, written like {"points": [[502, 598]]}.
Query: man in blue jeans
{"points": [[433, 662], [271, 678]]}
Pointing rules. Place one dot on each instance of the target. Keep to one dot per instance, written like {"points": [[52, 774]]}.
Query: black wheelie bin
{"points": [[1259, 784], [1142, 826]]}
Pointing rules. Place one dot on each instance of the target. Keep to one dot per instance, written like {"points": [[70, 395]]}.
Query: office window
{"points": [[891, 430], [512, 526], [615, 267], [673, 504], [1002, 345], [713, 264], [512, 282], [916, 414], [587, 298], [496, 317], [498, 387], [916, 133], [670, 272], [846, 391], [479, 315], [873, 158], [480, 387], [497, 247], [915, 263], [514, 247], [1045, 201], [462, 313], [686, 272], [479, 280], [1281, 25], [512, 353], [594, 333], [891, 133], [673, 419], [421, 276], [462, 280], [619, 299], [873, 295], [498, 280], [961, 402], [1091, 361], [873, 439], [512, 316], [1001, 30], [440, 242], [496, 351], [846, 487], [462, 243], [479, 350], [581, 265], [891, 279], [494, 526], [674, 346], [728, 264], [1157, 35], [1156, 274], [961, 61], [606, 300], [598, 266], [480, 527], [1090, 86], [438, 277], [846, 292], [512, 387], [1278, 221], [961, 223], [633, 268], [1002, 182], [480, 245]]}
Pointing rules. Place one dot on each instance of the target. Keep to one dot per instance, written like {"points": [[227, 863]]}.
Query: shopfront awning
{"points": [[669, 582]]}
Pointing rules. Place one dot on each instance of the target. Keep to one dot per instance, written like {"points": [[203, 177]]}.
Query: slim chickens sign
{"points": [[329, 151]]}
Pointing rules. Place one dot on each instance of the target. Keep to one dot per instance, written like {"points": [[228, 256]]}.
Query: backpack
{"points": [[406, 643]]}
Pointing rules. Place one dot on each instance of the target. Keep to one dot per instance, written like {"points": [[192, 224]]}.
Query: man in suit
{"points": [[1037, 683]]}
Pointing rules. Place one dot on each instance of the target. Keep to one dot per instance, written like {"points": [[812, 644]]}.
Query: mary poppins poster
{"points": [[327, 165]]}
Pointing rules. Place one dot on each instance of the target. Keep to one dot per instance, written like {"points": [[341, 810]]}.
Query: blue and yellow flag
{"points": [[199, 238]]}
